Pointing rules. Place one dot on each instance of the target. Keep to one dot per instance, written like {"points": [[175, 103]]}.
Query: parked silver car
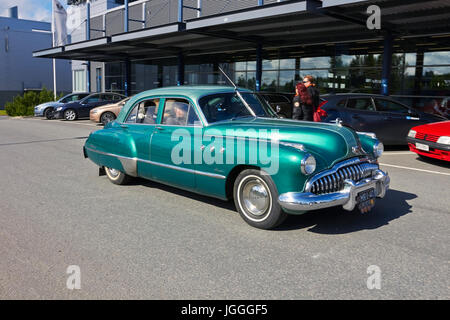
{"points": [[46, 109]]}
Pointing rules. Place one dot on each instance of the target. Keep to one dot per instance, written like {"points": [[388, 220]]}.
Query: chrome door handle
{"points": [[159, 128]]}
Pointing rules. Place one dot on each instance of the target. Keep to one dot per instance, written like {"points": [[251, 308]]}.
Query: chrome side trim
{"points": [[130, 165]]}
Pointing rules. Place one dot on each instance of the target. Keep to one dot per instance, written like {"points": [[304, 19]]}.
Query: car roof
{"points": [[193, 92]]}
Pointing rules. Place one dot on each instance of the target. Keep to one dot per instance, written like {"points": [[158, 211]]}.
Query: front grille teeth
{"points": [[335, 181]]}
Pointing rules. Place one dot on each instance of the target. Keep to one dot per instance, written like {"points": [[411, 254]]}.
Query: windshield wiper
{"points": [[239, 94]]}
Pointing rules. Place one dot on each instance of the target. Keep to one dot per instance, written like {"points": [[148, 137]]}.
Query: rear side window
{"points": [[179, 112], [363, 104], [390, 106]]}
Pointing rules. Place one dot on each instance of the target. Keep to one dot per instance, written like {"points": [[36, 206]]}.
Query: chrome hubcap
{"points": [[255, 196], [113, 172], [70, 115], [107, 118]]}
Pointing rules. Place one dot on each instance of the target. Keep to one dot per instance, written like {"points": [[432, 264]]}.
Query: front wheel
{"points": [[256, 199], [107, 117], [116, 176], [70, 115], [48, 113]]}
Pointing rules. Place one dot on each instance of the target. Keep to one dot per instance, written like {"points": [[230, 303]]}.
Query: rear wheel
{"points": [[116, 176], [107, 117], [70, 115], [256, 199]]}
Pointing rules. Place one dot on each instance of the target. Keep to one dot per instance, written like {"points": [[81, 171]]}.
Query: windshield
{"points": [[228, 106]]}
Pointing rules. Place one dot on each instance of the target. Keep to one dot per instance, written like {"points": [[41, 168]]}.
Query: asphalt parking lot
{"points": [[149, 241]]}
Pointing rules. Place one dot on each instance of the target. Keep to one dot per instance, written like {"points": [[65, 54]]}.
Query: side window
{"points": [[176, 112], [147, 111], [132, 116], [341, 103], [390, 106], [93, 99], [363, 104]]}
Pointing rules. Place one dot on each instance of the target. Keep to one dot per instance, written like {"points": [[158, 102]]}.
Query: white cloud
{"points": [[29, 9]]}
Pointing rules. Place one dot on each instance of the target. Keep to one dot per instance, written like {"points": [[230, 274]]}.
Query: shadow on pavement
{"points": [[229, 205], [338, 221], [436, 162], [327, 221]]}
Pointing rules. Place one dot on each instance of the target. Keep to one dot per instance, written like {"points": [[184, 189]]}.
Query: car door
{"points": [[361, 115], [87, 104], [171, 152], [397, 120], [139, 127]]}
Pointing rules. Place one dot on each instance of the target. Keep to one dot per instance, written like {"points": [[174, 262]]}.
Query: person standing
{"points": [[302, 103], [310, 106]]}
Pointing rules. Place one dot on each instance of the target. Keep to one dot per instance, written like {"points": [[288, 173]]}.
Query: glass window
{"points": [[226, 106], [79, 81], [270, 64], [364, 104], [132, 116], [93, 99], [436, 58], [176, 112], [147, 111], [314, 63], [390, 106]]}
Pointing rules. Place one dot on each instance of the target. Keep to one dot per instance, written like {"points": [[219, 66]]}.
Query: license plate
{"points": [[366, 200], [422, 146]]}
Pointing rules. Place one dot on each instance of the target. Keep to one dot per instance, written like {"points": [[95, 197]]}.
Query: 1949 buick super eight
{"points": [[229, 144]]}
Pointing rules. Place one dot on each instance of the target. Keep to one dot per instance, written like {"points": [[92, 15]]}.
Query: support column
{"points": [[258, 67], [126, 17], [88, 37], [387, 63], [180, 73], [180, 10], [127, 84]]}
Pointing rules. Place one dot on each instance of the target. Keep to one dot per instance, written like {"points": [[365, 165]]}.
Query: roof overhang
{"points": [[308, 27]]}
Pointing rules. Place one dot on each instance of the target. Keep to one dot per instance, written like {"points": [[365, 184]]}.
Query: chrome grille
{"points": [[334, 180]]}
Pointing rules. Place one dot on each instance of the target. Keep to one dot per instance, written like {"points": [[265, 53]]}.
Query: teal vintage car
{"points": [[228, 143]]}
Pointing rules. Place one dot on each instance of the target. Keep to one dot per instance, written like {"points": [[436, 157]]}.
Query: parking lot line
{"points": [[415, 169], [387, 153]]}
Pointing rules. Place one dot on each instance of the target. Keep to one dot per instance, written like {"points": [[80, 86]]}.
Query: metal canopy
{"points": [[289, 28]]}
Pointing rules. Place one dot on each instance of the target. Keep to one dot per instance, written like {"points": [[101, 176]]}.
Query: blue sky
{"points": [[40, 10]]}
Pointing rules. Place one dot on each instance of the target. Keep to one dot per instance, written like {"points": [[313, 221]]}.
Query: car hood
{"points": [[436, 128], [49, 104], [329, 143]]}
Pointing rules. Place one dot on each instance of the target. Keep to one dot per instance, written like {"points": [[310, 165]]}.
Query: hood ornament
{"points": [[339, 122]]}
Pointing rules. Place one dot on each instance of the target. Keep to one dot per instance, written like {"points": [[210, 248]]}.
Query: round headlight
{"points": [[444, 140], [308, 164], [378, 149]]}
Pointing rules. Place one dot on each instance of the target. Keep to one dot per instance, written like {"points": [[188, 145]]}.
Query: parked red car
{"points": [[431, 140]]}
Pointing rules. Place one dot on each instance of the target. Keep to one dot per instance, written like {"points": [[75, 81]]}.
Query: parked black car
{"points": [[281, 103], [389, 119], [81, 109]]}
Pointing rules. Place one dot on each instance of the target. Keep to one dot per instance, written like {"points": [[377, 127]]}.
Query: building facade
{"points": [[411, 53], [19, 70]]}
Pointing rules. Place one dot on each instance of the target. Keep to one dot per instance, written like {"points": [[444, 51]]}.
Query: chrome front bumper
{"points": [[307, 201]]}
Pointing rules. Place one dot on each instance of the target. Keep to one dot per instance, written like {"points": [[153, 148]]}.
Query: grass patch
{"points": [[3, 113]]}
